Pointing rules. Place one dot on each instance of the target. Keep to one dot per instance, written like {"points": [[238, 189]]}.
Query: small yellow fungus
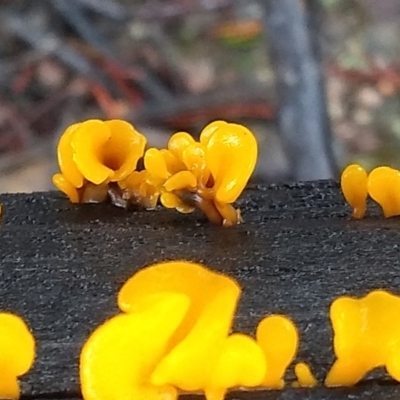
{"points": [[305, 377], [174, 164], [354, 187], [366, 336], [156, 165], [178, 142], [278, 338], [181, 180], [96, 152], [171, 200], [194, 158], [231, 155], [140, 188], [17, 354], [384, 188]]}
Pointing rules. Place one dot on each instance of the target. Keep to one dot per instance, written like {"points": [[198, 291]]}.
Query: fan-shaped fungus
{"points": [[171, 337], [201, 338], [366, 336]]}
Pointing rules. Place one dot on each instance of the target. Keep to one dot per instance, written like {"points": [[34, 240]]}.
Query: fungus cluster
{"points": [[382, 184], [17, 353], [98, 162], [366, 336], [95, 155], [171, 339]]}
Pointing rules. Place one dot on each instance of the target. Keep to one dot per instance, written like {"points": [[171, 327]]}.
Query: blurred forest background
{"points": [[169, 65]]}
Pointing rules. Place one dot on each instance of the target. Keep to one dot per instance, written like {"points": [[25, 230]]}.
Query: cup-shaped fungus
{"points": [[202, 338], [366, 336], [96, 152], [384, 188], [17, 354], [354, 187], [107, 151], [278, 338]]}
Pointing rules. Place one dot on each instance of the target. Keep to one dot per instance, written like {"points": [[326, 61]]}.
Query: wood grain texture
{"points": [[62, 265]]}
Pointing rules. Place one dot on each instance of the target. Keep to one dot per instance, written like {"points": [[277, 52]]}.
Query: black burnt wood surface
{"points": [[62, 265]]}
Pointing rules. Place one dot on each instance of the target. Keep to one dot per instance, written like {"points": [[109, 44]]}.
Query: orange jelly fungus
{"points": [[366, 336], [209, 175], [278, 338], [96, 152], [384, 188], [98, 161], [17, 354], [231, 155], [305, 377], [174, 335], [354, 187], [203, 356], [140, 189], [118, 359]]}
